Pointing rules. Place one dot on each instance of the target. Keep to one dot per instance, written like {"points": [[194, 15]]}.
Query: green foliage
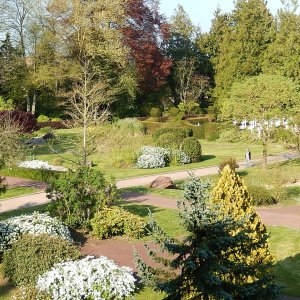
{"points": [[198, 121], [261, 196], [33, 255], [190, 107], [173, 111], [34, 174], [179, 133], [6, 105], [116, 221], [231, 162], [236, 135], [192, 148], [30, 292], [211, 110], [151, 126], [43, 118], [202, 266], [234, 201], [131, 125], [180, 116], [211, 131], [155, 112], [168, 140], [43, 130], [77, 195], [198, 131]]}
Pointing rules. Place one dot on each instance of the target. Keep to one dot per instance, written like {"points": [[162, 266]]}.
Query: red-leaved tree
{"points": [[145, 34]]}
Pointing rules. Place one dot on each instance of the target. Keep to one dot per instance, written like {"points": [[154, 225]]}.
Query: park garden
{"points": [[97, 93]]}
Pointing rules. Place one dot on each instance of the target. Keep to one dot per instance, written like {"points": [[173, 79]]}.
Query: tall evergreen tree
{"points": [[283, 54], [257, 276], [241, 51], [202, 262]]}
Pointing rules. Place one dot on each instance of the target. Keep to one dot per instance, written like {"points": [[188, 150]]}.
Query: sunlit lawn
{"points": [[15, 192]]}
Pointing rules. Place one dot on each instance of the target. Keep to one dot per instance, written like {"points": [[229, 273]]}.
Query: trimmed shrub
{"points": [[212, 131], [261, 196], [211, 110], [173, 111], [198, 132], [153, 157], [231, 162], [33, 255], [88, 278], [43, 118], [192, 148], [179, 157], [13, 228], [151, 127], [180, 116], [25, 120], [77, 195], [196, 121], [179, 133], [155, 112], [168, 140], [115, 221]]}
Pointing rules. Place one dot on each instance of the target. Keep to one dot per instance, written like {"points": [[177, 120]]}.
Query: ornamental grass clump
{"points": [[88, 278], [37, 223]]}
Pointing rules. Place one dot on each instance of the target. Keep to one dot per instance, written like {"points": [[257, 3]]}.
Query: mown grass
{"points": [[19, 191]]}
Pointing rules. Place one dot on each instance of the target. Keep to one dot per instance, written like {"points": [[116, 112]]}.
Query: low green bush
{"points": [[155, 112], [30, 292], [180, 116], [33, 255], [77, 195], [173, 111], [151, 126], [212, 131], [43, 118], [168, 140], [115, 221], [211, 110], [56, 119], [192, 148], [231, 162], [261, 196], [198, 121]]}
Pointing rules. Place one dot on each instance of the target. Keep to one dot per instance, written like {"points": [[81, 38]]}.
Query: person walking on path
{"points": [[248, 158]]}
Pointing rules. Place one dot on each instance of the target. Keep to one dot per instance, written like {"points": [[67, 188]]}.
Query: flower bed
{"points": [[88, 278], [36, 223], [39, 164]]}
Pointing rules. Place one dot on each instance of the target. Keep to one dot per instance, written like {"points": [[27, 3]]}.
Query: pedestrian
{"points": [[248, 158]]}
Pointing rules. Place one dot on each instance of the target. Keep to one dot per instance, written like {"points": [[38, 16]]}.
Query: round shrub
{"points": [[13, 228], [168, 140], [179, 157], [153, 157], [33, 255], [43, 118], [155, 112], [261, 196], [115, 221], [174, 111], [76, 196], [231, 162], [212, 131], [179, 133], [192, 148], [88, 278]]}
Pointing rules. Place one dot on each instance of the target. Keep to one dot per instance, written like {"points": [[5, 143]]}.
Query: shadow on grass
{"points": [[288, 275], [242, 173], [138, 209], [207, 157]]}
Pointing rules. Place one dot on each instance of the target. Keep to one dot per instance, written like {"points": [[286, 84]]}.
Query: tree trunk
{"points": [[33, 107], [84, 151], [298, 142], [28, 106], [265, 155]]}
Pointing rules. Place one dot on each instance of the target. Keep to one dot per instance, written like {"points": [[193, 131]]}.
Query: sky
{"points": [[201, 11]]}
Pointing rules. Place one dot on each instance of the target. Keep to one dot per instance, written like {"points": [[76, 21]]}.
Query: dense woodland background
{"points": [[133, 58]]}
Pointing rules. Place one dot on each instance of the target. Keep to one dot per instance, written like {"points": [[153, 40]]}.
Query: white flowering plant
{"points": [[39, 164], [158, 157], [36, 223], [88, 278]]}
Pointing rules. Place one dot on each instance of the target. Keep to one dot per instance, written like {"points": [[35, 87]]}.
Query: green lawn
{"points": [[213, 154], [15, 192]]}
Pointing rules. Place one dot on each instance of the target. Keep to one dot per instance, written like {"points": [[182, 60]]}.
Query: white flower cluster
{"points": [[36, 223], [158, 157], [39, 164], [87, 278], [153, 157]]}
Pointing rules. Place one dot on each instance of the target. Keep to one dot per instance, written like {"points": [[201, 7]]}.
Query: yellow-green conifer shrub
{"points": [[231, 197]]}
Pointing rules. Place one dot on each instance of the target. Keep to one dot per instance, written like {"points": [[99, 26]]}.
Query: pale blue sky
{"points": [[201, 11]]}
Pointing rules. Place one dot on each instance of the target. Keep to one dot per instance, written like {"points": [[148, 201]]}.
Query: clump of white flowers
{"points": [[157, 157], [87, 278], [36, 223], [39, 164]]}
